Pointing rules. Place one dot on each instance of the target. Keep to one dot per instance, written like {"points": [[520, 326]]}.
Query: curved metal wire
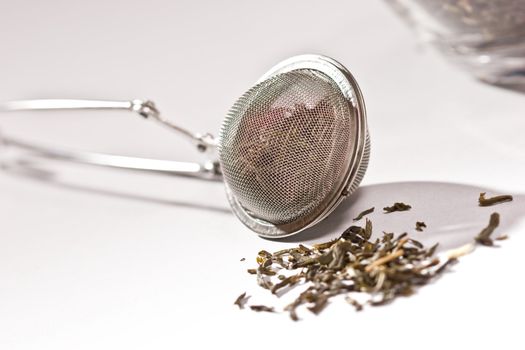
{"points": [[209, 170]]}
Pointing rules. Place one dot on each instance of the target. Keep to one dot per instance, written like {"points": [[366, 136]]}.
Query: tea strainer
{"points": [[289, 150]]}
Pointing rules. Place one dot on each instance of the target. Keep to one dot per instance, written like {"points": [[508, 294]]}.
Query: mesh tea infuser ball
{"points": [[294, 145], [290, 149]]}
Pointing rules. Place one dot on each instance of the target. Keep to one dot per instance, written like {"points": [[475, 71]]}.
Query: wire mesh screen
{"points": [[285, 146]]}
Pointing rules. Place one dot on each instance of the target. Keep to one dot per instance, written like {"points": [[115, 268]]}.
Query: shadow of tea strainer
{"points": [[289, 151]]}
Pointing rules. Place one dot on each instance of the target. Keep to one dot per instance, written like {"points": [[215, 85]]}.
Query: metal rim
{"points": [[357, 161]]}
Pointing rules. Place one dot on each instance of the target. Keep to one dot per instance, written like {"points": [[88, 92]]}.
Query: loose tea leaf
{"points": [[461, 251], [241, 300], [417, 243], [260, 308], [319, 303], [363, 213], [484, 236], [287, 281], [368, 230], [420, 225], [501, 238], [432, 250], [384, 259], [354, 303], [380, 269], [383, 268], [485, 202], [243, 259], [398, 206]]}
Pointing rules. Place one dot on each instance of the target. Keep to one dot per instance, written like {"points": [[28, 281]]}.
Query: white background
{"points": [[93, 259]]}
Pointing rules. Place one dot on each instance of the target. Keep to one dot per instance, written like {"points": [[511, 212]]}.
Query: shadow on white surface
{"points": [[518, 88], [35, 172], [450, 211]]}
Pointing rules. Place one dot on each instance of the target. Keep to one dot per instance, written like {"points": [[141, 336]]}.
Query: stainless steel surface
{"points": [[144, 108], [208, 170], [291, 148], [294, 146]]}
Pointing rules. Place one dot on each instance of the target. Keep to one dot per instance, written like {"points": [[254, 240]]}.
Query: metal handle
{"points": [[208, 170]]}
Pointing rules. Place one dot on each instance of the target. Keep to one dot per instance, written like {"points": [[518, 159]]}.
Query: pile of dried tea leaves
{"points": [[355, 265]]}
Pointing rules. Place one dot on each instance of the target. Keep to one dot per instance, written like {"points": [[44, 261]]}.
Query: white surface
{"points": [[92, 259]]}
